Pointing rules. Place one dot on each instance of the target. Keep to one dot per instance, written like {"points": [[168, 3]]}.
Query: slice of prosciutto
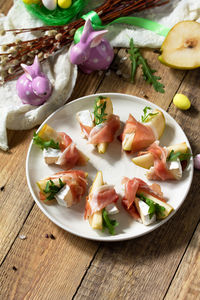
{"points": [[162, 170], [143, 134], [70, 156], [99, 199], [104, 132], [131, 187], [75, 179]]}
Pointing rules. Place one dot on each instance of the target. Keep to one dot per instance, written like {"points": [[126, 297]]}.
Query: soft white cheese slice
{"points": [[64, 196], [85, 117], [112, 209], [175, 168], [144, 208], [128, 141], [51, 155]]}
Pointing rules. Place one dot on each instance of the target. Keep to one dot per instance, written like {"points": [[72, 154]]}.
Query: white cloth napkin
{"points": [[167, 15], [15, 115], [62, 74]]}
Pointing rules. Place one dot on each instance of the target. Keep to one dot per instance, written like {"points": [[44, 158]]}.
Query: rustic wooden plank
{"points": [[186, 282], [170, 78], [143, 268], [46, 268]]}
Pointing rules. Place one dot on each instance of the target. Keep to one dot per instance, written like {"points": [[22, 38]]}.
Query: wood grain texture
{"points": [[163, 264], [46, 268], [186, 282], [170, 78]]}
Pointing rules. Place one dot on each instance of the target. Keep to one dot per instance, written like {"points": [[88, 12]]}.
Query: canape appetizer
{"points": [[67, 188], [144, 203], [100, 126], [164, 163], [58, 148], [100, 203], [137, 136]]}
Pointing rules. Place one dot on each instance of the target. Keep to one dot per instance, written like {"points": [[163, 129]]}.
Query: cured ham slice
{"points": [[161, 169], [70, 156], [98, 200], [104, 132], [74, 179], [143, 134], [132, 187]]}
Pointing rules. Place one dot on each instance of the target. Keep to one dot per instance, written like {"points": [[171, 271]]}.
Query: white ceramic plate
{"points": [[113, 163]]}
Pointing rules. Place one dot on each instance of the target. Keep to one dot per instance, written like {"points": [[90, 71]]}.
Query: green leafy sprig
{"points": [[44, 144], [146, 115], [108, 223], [154, 208], [178, 155], [99, 111], [53, 189], [148, 73]]}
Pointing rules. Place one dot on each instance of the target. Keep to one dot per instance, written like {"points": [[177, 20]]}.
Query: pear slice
{"points": [[146, 161], [128, 141], [47, 133], [181, 47], [108, 111], [157, 123], [168, 207], [96, 220]]}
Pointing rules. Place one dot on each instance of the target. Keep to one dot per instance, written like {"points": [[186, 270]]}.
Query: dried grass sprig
{"points": [[53, 38]]}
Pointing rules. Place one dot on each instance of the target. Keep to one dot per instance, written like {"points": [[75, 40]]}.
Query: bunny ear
{"points": [[28, 71], [86, 30], [96, 38], [33, 70], [36, 66]]}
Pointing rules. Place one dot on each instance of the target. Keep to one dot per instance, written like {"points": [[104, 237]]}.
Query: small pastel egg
{"points": [[197, 162], [31, 1], [50, 4], [181, 101], [64, 3]]}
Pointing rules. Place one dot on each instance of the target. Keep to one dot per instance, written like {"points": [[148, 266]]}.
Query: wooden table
{"points": [[162, 265]]}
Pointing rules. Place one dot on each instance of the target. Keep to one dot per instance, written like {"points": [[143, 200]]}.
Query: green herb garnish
{"points": [[178, 155], [154, 208], [99, 111], [148, 74], [44, 144], [52, 189], [146, 115], [108, 223]]}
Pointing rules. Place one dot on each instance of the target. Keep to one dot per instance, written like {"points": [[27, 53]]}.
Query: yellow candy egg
{"points": [[181, 101], [31, 1], [64, 3]]}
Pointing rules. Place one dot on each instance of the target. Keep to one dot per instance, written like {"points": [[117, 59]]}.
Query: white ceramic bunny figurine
{"points": [[33, 87], [93, 52]]}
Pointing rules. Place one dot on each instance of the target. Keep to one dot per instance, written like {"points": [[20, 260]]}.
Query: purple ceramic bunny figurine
{"points": [[33, 87], [93, 52]]}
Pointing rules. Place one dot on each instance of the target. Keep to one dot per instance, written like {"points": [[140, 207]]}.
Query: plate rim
{"points": [[109, 238]]}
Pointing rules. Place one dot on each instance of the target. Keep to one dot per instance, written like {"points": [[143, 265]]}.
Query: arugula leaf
{"points": [[108, 223], [154, 208], [148, 73], [134, 53], [182, 156], [52, 189], [44, 144], [146, 115], [149, 77], [99, 111]]}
